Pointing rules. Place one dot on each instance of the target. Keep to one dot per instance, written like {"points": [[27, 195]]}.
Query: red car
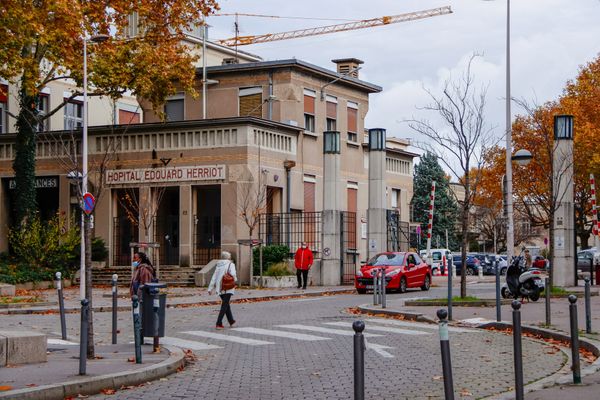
{"points": [[402, 271]]}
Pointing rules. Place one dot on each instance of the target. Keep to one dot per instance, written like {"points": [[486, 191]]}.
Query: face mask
{"points": [[304, 246], [136, 263]]}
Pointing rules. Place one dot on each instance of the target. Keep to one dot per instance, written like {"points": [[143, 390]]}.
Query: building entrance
{"points": [[207, 224], [166, 225]]}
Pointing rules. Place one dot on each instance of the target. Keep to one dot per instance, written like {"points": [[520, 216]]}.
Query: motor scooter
{"points": [[522, 282]]}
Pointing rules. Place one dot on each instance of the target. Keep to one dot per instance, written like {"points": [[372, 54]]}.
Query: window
{"points": [[395, 198], [309, 110], [250, 102], [352, 112], [174, 108], [331, 113], [73, 115], [42, 108]]}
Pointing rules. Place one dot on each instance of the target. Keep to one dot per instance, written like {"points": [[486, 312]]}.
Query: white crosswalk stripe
{"points": [[325, 330], [228, 338], [188, 344], [62, 342], [381, 329], [282, 334], [418, 325]]}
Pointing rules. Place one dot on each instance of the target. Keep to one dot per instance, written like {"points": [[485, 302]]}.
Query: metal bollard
{"points": [[547, 295], [576, 365], [375, 287], [156, 320], [518, 350], [498, 301], [359, 360], [480, 272], [83, 339], [137, 329], [114, 308], [451, 271], [588, 307], [383, 283], [446, 359], [61, 306]]}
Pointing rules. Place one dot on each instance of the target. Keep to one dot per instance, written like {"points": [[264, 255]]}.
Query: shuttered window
{"points": [[309, 110], [251, 102], [331, 110], [309, 196], [352, 113], [352, 205]]}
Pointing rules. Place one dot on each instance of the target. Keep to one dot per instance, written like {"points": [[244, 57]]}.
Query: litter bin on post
{"points": [[150, 327], [597, 272]]}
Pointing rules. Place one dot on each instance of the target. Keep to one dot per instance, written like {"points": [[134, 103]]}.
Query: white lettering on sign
{"points": [[40, 183], [158, 175]]}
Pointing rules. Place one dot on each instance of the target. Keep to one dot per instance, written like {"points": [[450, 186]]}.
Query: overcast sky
{"points": [[550, 40]]}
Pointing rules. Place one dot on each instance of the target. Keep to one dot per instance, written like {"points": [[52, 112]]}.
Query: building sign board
{"points": [[164, 175], [40, 183]]}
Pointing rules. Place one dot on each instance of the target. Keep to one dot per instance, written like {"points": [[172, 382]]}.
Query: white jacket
{"points": [[215, 282]]}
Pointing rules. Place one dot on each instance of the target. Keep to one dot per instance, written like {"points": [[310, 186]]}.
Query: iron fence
{"points": [[398, 233], [292, 229], [349, 248], [124, 232], [207, 239]]}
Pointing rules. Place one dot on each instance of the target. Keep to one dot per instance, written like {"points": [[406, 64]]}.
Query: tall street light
{"points": [[84, 159], [510, 226]]}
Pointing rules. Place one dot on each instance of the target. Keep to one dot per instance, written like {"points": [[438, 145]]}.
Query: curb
{"points": [[410, 316], [456, 303], [283, 296], [93, 385]]}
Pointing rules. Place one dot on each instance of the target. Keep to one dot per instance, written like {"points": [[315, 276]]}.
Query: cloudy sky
{"points": [[550, 40]]}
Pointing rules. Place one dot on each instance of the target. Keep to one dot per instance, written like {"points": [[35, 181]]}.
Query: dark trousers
{"points": [[302, 274], [225, 309]]}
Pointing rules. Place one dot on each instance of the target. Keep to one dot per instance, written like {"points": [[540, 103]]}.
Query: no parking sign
{"points": [[88, 203]]}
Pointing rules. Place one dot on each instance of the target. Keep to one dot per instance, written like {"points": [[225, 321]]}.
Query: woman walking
{"points": [[143, 273], [222, 283]]}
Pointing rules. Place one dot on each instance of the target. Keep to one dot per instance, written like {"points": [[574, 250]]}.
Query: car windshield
{"points": [[387, 259]]}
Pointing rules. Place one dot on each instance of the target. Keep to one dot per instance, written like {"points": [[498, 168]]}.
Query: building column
{"points": [[376, 213], [145, 199], [185, 225], [563, 267], [331, 260]]}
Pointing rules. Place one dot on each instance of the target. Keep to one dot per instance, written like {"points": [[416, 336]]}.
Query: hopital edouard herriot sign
{"points": [[165, 175]]}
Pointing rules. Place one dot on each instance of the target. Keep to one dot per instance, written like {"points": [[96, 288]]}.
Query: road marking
{"points": [[419, 325], [188, 344], [381, 329], [228, 338], [62, 342], [379, 349], [476, 321], [326, 330], [283, 334]]}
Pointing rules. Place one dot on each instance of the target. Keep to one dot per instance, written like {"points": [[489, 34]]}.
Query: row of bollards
{"points": [[359, 349], [379, 289]]}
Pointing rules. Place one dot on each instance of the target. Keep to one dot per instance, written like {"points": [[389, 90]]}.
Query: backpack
{"points": [[228, 281]]}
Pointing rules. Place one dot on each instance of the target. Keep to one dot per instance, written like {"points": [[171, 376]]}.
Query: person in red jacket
{"points": [[303, 260]]}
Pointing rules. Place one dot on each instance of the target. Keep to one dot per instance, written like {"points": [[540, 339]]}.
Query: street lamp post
{"points": [[510, 230]]}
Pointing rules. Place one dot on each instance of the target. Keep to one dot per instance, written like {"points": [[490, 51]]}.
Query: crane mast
{"points": [[348, 26]]}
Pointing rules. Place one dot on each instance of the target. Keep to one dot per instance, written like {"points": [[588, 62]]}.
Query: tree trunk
{"points": [[551, 248], [88, 286], [24, 162], [465, 244]]}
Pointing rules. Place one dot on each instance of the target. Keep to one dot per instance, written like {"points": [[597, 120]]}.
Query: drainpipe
{"points": [[288, 165], [270, 109]]}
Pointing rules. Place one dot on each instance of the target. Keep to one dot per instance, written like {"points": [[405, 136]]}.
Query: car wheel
{"points": [[469, 271], [504, 293], [361, 291], [503, 271], [402, 286], [426, 283]]}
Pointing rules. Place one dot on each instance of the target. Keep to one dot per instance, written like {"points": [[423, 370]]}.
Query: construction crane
{"points": [[322, 30]]}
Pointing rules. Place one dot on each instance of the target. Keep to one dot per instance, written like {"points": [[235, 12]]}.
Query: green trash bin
{"points": [[148, 291]]}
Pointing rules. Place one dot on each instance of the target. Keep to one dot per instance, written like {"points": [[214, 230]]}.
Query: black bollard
{"points": [[137, 329], [518, 350], [498, 301], [588, 307], [61, 306], [114, 308], [156, 320], [359, 360], [85, 309], [576, 366], [375, 287], [446, 360], [547, 295], [383, 283], [450, 268]]}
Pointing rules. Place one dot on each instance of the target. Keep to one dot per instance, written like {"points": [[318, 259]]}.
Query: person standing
{"points": [[224, 266], [143, 273], [528, 259], [303, 260]]}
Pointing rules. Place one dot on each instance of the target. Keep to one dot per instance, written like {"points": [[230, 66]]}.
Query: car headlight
{"points": [[359, 273], [393, 272]]}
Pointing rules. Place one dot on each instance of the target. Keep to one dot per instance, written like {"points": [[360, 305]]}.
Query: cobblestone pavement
{"points": [[313, 359]]}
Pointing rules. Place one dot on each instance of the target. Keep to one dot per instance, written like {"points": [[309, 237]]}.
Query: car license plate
{"points": [[539, 283], [369, 286]]}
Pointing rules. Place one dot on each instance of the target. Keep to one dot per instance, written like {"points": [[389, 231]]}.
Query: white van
{"points": [[436, 259]]}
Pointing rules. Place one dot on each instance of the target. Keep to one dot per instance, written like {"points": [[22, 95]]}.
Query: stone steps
{"points": [[172, 276]]}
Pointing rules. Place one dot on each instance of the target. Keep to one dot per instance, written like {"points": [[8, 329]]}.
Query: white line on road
{"points": [[188, 344], [62, 342], [228, 338], [418, 325], [325, 330], [312, 299], [382, 329], [379, 349], [283, 334]]}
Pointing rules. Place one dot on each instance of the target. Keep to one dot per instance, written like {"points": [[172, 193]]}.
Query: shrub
{"points": [[278, 269], [272, 254], [99, 250]]}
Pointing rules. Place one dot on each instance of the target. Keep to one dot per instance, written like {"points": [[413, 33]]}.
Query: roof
{"points": [[294, 63]]}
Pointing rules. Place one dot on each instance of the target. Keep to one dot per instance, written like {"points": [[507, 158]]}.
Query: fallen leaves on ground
{"points": [[131, 359], [189, 355], [465, 393], [108, 391], [4, 388], [357, 311], [31, 385]]}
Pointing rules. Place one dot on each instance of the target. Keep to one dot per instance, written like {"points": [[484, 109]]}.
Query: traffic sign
{"points": [[88, 203]]}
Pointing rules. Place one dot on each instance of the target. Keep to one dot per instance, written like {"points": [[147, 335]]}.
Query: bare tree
{"points": [[459, 142], [251, 203], [142, 209]]}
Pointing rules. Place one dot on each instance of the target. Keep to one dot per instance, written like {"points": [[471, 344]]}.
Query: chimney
{"points": [[345, 65]]}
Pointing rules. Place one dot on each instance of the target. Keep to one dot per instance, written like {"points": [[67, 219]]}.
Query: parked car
{"points": [[585, 260], [403, 270], [472, 264], [489, 265], [436, 259]]}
